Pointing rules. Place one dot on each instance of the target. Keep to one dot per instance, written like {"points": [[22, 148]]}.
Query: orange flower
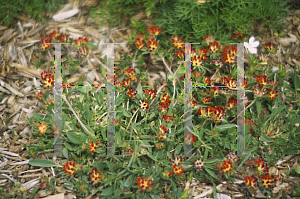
{"points": [[140, 44], [169, 173], [131, 93], [270, 46], [201, 111], [178, 170], [163, 108], [126, 82], [208, 39], [128, 151], [44, 44], [272, 94], [64, 38], [92, 146], [202, 53], [190, 138], [250, 181], [261, 165], [268, 180], [81, 41], [167, 118], [232, 102], [129, 72], [48, 79], [144, 105], [144, 184], [42, 128], [227, 166], [162, 132], [273, 83], [207, 80], [176, 40], [140, 37], [205, 99], [154, 30], [54, 34], [213, 47], [69, 167], [179, 54], [152, 43], [150, 93], [95, 176], [262, 79], [196, 61], [40, 95], [166, 99]]}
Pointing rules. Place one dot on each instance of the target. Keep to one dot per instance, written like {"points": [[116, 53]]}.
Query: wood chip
{"points": [[6, 34], [65, 15]]}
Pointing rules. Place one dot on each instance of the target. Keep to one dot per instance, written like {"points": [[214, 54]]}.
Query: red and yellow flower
{"points": [[270, 46], [272, 94], [95, 176], [150, 93], [131, 93], [189, 138], [144, 184], [42, 128], [227, 166], [81, 41], [154, 30], [152, 43], [205, 99], [167, 118], [126, 82], [128, 151], [262, 79], [268, 181], [176, 42], [144, 105], [92, 147], [48, 79], [69, 167], [159, 145], [178, 170], [40, 95]]}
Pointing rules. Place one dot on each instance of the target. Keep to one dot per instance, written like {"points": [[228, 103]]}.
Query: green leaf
{"points": [[65, 152], [151, 156], [110, 167], [297, 169], [126, 113], [128, 181], [42, 163], [185, 194], [258, 106], [225, 127], [73, 138], [139, 90], [210, 173], [178, 149], [265, 138]]}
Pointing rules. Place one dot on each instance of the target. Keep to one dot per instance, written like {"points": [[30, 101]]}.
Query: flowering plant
{"points": [[149, 123]]}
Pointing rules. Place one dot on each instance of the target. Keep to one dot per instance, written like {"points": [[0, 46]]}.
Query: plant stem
{"points": [[244, 110], [64, 97], [163, 59], [131, 119]]}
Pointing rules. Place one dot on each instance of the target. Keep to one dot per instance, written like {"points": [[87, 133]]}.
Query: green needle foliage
{"points": [[35, 8]]}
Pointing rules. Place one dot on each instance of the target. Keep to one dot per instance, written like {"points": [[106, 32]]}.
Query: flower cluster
{"points": [[130, 72], [48, 79], [42, 128], [167, 118], [199, 165], [150, 93], [95, 176], [266, 180], [236, 35], [270, 47], [227, 166], [54, 36], [216, 113], [177, 168], [189, 138], [165, 103], [92, 147], [162, 133], [69, 168], [144, 184], [44, 182], [128, 151]]}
